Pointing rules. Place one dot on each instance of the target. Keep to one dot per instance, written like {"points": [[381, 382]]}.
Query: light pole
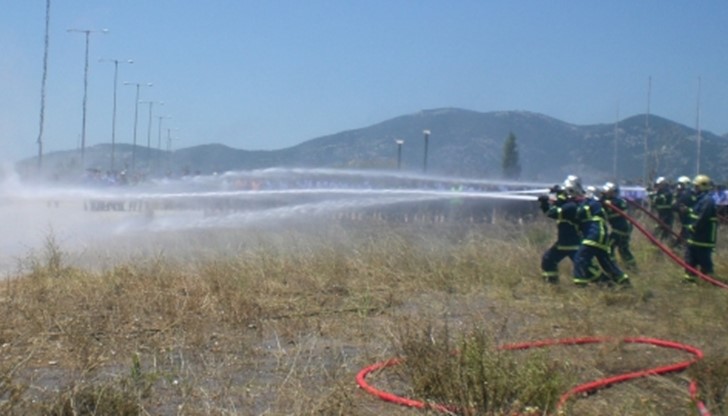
{"points": [[616, 147], [399, 142], [113, 116], [138, 85], [88, 33], [647, 134], [159, 139], [149, 124], [697, 126], [427, 139], [43, 85], [169, 138], [169, 148]]}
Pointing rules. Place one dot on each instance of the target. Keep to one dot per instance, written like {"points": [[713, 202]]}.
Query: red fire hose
{"points": [[666, 250], [580, 389], [592, 385], [655, 218]]}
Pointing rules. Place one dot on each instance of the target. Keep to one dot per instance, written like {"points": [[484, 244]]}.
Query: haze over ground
{"points": [[268, 75]]}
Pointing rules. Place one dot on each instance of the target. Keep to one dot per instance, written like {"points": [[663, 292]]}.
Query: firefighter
{"points": [[621, 229], [661, 203], [684, 201], [561, 206], [592, 223], [703, 230]]}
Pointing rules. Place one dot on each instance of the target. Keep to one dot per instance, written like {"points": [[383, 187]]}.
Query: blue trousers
{"points": [[583, 259], [700, 258]]}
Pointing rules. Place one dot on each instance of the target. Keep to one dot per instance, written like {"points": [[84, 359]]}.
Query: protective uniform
{"points": [[703, 231], [593, 226], [621, 229], [562, 209], [684, 201], [661, 203]]}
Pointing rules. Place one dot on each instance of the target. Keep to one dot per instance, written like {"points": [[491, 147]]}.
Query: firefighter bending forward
{"points": [[593, 226], [562, 208]]}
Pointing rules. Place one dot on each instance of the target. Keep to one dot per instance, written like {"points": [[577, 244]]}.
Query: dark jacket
{"points": [[704, 227], [563, 210], [592, 223], [619, 224]]}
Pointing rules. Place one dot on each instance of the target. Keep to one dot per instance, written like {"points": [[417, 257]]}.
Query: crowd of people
{"points": [[594, 233]]}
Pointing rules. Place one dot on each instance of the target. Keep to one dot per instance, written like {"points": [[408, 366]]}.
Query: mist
{"points": [[99, 224]]}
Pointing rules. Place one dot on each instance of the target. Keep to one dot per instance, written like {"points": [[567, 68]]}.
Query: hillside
{"points": [[462, 143]]}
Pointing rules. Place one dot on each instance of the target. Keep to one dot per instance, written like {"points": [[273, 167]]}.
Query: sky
{"points": [[264, 75]]}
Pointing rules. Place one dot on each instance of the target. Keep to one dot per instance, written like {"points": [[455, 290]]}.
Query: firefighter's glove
{"points": [[544, 199]]}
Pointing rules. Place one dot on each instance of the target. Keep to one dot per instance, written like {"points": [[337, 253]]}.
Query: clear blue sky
{"points": [[272, 74]]}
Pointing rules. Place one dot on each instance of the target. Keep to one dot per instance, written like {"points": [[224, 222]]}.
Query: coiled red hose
{"points": [[582, 388]]}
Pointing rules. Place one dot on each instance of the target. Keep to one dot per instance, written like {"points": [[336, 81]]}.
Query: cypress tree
{"points": [[511, 164]]}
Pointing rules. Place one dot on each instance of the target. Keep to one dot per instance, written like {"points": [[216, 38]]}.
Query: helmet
{"points": [[572, 186], [702, 183], [593, 192], [661, 182], [683, 180], [556, 189], [610, 189]]}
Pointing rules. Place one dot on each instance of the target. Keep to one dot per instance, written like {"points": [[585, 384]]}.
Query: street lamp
{"points": [[159, 138], [169, 138], [697, 126], [87, 33], [149, 124], [399, 142], [169, 148], [138, 85], [113, 117], [427, 139], [43, 85]]}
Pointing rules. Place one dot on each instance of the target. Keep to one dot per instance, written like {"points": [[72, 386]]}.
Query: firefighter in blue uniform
{"points": [[592, 223], [561, 207], [703, 230], [661, 203], [621, 229], [684, 201]]}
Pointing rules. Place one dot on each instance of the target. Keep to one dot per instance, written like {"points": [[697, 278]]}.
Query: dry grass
{"points": [[278, 323]]}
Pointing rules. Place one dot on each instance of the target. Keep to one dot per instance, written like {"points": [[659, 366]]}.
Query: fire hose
{"points": [[591, 386], [654, 217], [584, 388], [667, 251]]}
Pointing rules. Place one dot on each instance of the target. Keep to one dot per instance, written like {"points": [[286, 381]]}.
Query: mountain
{"points": [[462, 143]]}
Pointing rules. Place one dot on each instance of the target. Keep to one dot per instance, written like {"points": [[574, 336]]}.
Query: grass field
{"points": [[278, 321]]}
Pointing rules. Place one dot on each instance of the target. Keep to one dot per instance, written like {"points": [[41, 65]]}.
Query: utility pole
{"points": [[113, 116], [87, 33], [43, 85], [697, 123], [647, 133], [138, 85], [616, 147]]}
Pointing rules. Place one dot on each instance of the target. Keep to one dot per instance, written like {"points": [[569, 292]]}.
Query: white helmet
{"points": [[592, 192], [572, 186], [611, 189]]}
